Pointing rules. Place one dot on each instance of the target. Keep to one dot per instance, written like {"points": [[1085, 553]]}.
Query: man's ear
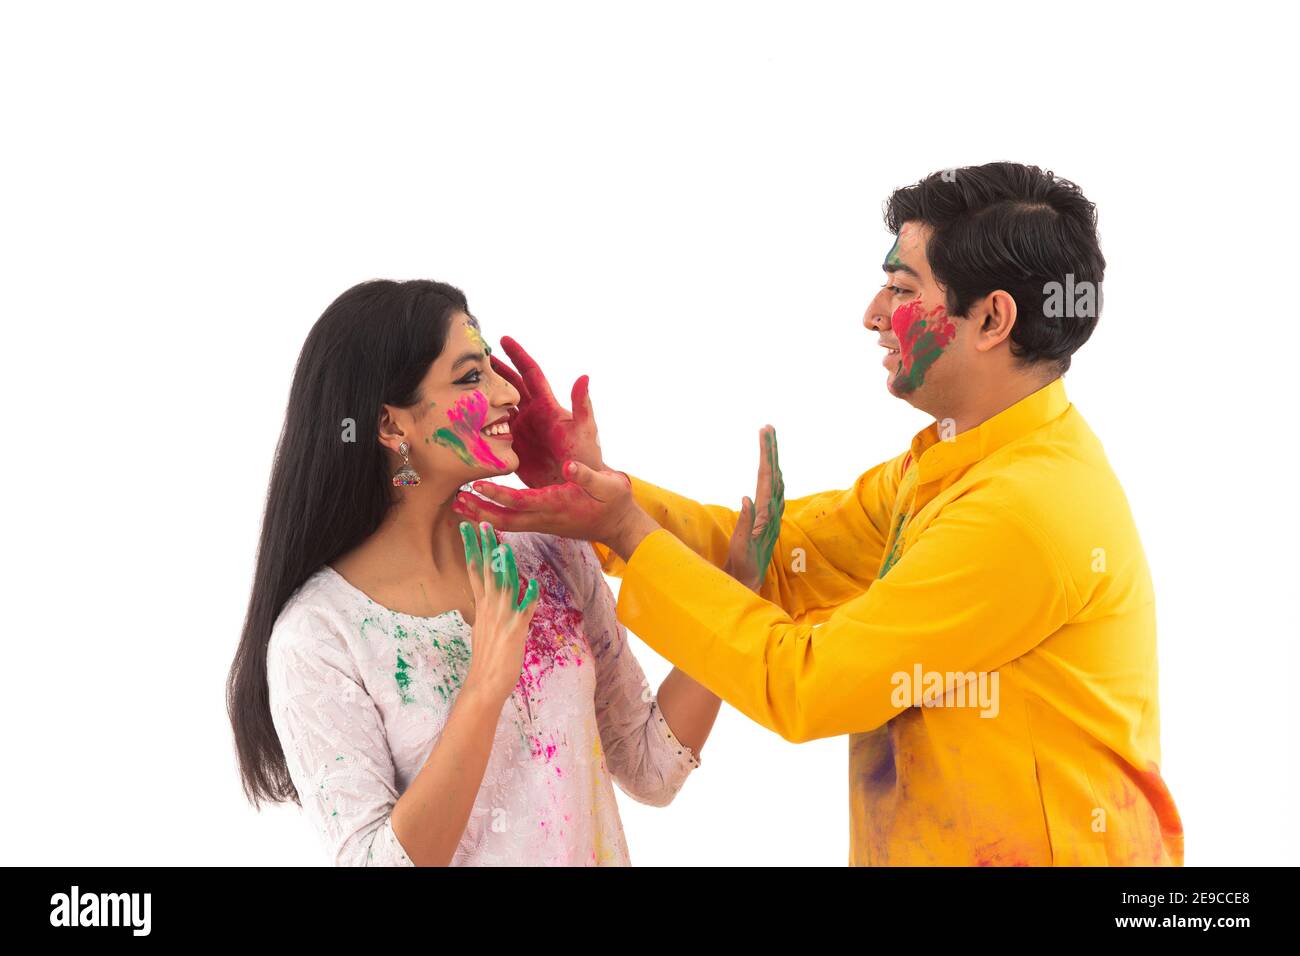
{"points": [[390, 431], [997, 317]]}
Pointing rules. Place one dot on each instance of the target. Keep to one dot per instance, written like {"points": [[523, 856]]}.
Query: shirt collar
{"points": [[936, 456]]}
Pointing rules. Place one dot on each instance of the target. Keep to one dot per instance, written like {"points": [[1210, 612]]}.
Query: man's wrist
{"points": [[634, 528]]}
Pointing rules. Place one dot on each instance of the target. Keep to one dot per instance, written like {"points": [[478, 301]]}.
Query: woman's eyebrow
{"points": [[468, 357]]}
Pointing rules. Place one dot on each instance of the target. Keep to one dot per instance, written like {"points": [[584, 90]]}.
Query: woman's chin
{"points": [[509, 463]]}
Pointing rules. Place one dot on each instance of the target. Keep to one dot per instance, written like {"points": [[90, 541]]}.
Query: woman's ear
{"points": [[391, 433]]}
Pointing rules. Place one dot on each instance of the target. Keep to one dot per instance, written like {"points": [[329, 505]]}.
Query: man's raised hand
{"points": [[546, 435]]}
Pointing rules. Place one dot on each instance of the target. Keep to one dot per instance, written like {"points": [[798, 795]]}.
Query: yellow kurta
{"points": [[976, 614]]}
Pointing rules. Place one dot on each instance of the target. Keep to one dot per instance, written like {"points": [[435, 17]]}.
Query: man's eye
{"points": [[895, 290]]}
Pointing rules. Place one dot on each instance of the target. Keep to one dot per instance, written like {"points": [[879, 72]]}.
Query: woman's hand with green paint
{"points": [[501, 614], [758, 528]]}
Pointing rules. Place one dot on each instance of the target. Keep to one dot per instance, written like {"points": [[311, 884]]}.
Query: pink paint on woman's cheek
{"points": [[467, 418]]}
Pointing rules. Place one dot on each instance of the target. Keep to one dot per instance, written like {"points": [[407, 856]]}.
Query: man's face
{"points": [[909, 314]]}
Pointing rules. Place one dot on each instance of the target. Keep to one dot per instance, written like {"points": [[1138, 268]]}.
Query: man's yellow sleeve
{"points": [[978, 588], [829, 550]]}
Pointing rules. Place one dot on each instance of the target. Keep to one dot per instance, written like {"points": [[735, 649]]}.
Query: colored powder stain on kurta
{"points": [[403, 679], [895, 548], [456, 657], [551, 643], [922, 336]]}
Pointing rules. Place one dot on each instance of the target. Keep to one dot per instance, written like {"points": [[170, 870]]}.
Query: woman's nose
{"points": [[507, 394]]}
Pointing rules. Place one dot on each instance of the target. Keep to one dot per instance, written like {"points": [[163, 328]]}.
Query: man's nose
{"points": [[876, 318]]}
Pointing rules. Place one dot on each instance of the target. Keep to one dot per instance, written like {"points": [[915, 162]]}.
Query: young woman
{"points": [[427, 695]]}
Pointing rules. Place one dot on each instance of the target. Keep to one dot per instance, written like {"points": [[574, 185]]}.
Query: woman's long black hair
{"points": [[371, 347]]}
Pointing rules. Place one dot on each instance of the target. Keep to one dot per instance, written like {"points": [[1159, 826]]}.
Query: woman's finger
{"points": [[489, 537], [528, 603], [510, 583], [473, 560]]}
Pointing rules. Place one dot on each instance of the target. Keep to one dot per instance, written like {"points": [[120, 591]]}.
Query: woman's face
{"points": [[461, 428]]}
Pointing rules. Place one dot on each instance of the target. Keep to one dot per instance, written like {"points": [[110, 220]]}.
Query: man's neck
{"points": [[980, 404]]}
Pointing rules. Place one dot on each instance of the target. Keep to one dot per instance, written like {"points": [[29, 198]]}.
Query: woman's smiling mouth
{"points": [[499, 429]]}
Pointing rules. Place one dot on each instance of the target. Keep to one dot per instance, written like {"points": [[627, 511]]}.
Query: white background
{"points": [[682, 200]]}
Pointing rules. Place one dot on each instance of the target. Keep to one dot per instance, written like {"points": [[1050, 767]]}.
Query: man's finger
{"points": [[745, 523], [538, 386], [476, 509], [581, 401], [511, 376], [763, 491], [510, 497], [601, 485]]}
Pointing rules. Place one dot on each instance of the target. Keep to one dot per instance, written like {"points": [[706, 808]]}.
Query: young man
{"points": [[975, 613]]}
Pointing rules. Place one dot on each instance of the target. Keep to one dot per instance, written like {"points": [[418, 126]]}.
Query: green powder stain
{"points": [[892, 259], [924, 352], [761, 547], [448, 439], [456, 653], [404, 680], [895, 548]]}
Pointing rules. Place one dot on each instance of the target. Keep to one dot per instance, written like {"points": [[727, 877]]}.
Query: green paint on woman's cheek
{"points": [[448, 439]]}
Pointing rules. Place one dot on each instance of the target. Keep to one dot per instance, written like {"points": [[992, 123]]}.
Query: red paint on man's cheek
{"points": [[911, 321]]}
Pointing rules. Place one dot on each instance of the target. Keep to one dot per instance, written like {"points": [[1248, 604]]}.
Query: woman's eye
{"points": [[473, 378]]}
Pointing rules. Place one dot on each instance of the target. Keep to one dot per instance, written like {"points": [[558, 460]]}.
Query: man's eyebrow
{"points": [[892, 267], [468, 357]]}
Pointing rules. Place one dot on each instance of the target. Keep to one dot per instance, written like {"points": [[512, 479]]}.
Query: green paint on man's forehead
{"points": [[893, 259]]}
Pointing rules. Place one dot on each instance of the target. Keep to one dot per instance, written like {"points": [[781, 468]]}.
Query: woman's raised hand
{"points": [[546, 435], [501, 616]]}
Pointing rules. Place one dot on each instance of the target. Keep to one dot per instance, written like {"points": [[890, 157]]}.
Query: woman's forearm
{"points": [[689, 707], [429, 818]]}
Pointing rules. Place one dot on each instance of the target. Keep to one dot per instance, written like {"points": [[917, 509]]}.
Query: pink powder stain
{"points": [[911, 320], [1160, 826], [554, 640], [467, 417]]}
